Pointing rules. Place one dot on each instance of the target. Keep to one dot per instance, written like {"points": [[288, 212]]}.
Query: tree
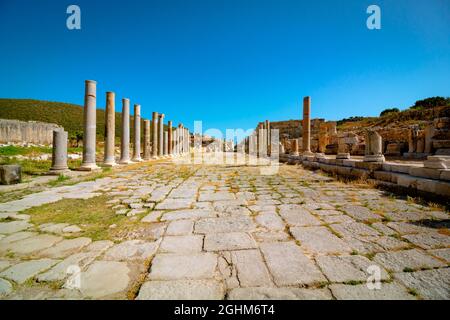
{"points": [[432, 102], [387, 111]]}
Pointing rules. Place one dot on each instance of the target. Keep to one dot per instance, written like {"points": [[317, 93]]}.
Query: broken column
{"points": [[169, 138], [155, 134], [147, 152], [161, 135], [294, 149], [89, 133], [59, 152], [374, 147], [137, 134], [307, 126], [125, 138], [110, 130]]}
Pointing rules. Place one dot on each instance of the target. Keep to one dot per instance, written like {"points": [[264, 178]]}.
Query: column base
{"points": [[136, 160], [88, 167], [109, 164], [343, 156], [319, 156], [374, 158], [307, 153], [57, 172], [125, 161]]}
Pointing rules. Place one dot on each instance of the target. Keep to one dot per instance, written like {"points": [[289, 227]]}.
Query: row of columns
{"points": [[157, 143]]}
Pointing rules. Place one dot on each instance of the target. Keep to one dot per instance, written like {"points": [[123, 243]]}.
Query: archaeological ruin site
{"points": [[296, 210], [213, 159]]}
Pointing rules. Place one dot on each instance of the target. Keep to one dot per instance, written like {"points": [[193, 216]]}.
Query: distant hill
{"points": [[69, 116], [420, 113]]}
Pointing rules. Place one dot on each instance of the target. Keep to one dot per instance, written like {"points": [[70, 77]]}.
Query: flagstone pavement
{"points": [[229, 232]]}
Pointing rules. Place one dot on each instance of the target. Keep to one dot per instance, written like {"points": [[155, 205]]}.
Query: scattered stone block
{"points": [[10, 174]]}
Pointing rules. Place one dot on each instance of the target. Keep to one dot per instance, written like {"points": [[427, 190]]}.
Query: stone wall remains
{"points": [[15, 131]]}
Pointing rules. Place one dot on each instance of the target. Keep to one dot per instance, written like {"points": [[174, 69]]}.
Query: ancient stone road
{"points": [[228, 232]]}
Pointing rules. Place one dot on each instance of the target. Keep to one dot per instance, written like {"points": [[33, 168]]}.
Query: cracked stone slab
{"points": [[319, 240], [16, 237], [182, 290], [354, 229], [169, 266], [271, 236], [5, 288], [153, 216], [361, 213], [347, 268], [105, 279], [174, 204], [430, 284], [443, 254], [68, 266], [408, 228], [221, 195], [251, 270], [429, 240], [32, 244], [132, 250], [181, 244], [388, 291], [296, 215], [180, 228], [228, 241], [270, 221], [224, 224], [14, 226], [23, 271], [413, 259], [188, 214], [289, 266], [261, 293], [65, 248]]}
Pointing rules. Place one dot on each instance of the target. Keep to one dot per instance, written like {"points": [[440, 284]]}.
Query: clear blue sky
{"points": [[230, 63]]}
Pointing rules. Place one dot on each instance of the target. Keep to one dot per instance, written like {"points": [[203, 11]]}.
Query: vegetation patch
{"points": [[94, 216]]}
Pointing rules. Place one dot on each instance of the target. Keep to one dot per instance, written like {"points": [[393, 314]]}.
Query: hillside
{"points": [[394, 118], [69, 116]]}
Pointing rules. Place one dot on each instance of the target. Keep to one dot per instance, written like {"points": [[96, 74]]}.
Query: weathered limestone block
{"points": [[10, 174], [425, 172], [437, 162]]}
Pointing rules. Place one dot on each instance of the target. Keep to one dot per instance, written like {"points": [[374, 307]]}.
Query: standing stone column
{"points": [[188, 142], [110, 130], [161, 135], [374, 147], [166, 143], [125, 139], [175, 143], [59, 152], [147, 153], [137, 134], [294, 149], [169, 139], [180, 139], [307, 126], [155, 134], [268, 137], [260, 139], [90, 126]]}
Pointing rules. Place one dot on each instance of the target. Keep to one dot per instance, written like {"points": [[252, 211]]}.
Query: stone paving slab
{"points": [[224, 224], [181, 244], [132, 250], [388, 291], [31, 245], [65, 248], [319, 240], [182, 290], [410, 259], [180, 228], [429, 284], [169, 266], [23, 271], [289, 266], [13, 226], [251, 269], [228, 241], [188, 214], [279, 294]]}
